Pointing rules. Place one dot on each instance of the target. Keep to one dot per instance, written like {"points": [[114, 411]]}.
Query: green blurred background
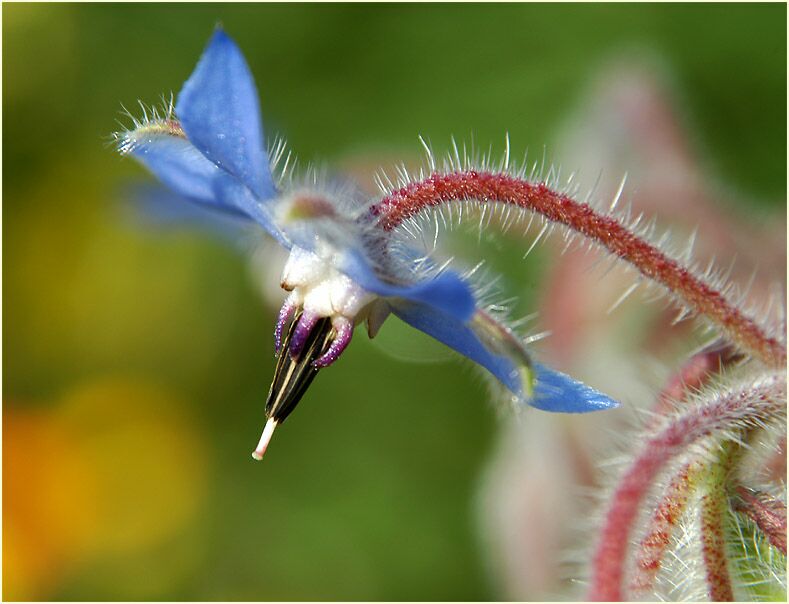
{"points": [[136, 362]]}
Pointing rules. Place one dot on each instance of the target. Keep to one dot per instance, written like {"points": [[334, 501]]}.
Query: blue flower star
{"points": [[343, 269]]}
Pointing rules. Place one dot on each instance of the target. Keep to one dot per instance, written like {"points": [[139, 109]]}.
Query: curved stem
{"points": [[736, 407], [488, 187], [693, 374], [665, 519]]}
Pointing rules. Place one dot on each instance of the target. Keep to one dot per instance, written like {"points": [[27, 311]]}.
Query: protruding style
{"points": [[265, 438]]}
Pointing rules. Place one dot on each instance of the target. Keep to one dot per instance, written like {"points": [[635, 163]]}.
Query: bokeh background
{"points": [[137, 359]]}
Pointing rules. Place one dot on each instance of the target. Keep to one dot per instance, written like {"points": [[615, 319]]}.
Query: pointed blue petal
{"points": [[218, 109], [555, 391], [180, 166], [174, 161], [233, 193], [447, 292], [461, 338], [551, 390], [154, 205]]}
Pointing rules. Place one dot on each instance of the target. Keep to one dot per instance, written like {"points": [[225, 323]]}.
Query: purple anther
{"points": [[285, 313], [344, 328], [301, 333]]}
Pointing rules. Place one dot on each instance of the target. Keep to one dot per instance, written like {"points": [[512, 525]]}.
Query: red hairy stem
{"points": [[665, 519], [487, 187], [714, 508], [768, 513], [745, 402], [693, 375], [713, 545]]}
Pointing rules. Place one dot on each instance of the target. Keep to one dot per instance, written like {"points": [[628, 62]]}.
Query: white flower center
{"points": [[320, 288]]}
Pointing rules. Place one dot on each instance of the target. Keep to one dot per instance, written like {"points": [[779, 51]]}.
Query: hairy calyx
{"points": [[725, 415]]}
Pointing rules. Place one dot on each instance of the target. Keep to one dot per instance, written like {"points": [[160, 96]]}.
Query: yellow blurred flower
{"points": [[114, 469]]}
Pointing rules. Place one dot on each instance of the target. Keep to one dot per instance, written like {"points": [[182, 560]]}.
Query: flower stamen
{"points": [[344, 328], [285, 314], [300, 334]]}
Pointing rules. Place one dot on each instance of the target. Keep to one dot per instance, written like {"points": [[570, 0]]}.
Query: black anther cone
{"points": [[292, 376]]}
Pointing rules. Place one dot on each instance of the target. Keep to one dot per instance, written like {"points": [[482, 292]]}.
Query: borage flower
{"points": [[350, 259]]}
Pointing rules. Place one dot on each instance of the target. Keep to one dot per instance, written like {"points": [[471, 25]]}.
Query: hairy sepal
{"points": [[718, 414]]}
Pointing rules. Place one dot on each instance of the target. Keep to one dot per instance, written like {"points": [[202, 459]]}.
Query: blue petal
{"points": [[154, 205], [218, 110], [448, 292], [176, 162], [180, 166], [555, 391], [458, 336], [238, 196], [552, 391]]}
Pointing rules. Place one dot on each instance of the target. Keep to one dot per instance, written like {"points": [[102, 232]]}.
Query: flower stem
{"points": [[665, 519], [693, 374], [606, 230], [714, 507]]}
